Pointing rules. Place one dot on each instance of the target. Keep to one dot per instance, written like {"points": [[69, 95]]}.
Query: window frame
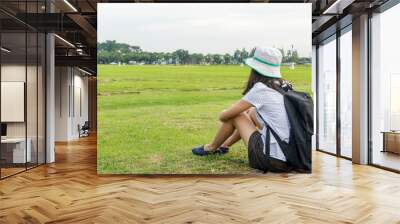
{"points": [[334, 37]]}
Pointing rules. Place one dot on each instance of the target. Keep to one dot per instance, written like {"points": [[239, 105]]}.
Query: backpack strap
{"points": [[267, 135], [267, 148], [284, 145]]}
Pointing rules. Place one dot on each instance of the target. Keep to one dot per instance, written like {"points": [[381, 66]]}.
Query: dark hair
{"points": [[273, 83]]}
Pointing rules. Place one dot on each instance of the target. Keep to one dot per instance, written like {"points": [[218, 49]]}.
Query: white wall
{"points": [[13, 72], [70, 83], [13, 101], [62, 82]]}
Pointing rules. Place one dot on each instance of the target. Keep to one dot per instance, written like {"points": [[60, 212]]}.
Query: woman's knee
{"points": [[252, 114], [248, 111], [245, 126], [240, 117]]}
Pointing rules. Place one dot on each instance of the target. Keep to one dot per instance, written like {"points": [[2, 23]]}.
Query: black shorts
{"points": [[257, 158]]}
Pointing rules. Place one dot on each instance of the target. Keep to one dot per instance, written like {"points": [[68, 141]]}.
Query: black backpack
{"points": [[299, 108]]}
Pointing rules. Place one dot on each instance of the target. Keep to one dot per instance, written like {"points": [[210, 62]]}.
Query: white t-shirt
{"points": [[269, 104]]}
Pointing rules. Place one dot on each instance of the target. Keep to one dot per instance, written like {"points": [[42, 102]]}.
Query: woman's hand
{"points": [[234, 110]]}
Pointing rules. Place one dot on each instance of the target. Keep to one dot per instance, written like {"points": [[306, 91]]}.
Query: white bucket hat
{"points": [[266, 61]]}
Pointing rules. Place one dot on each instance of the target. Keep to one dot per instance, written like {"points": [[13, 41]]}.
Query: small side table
{"points": [[15, 148], [391, 141]]}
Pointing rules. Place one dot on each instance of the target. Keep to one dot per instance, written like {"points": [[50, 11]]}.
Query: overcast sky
{"points": [[206, 28]]}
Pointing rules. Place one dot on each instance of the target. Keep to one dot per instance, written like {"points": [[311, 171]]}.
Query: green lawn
{"points": [[150, 117]]}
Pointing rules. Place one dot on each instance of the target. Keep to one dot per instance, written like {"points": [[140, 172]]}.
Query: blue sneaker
{"points": [[223, 150], [199, 151]]}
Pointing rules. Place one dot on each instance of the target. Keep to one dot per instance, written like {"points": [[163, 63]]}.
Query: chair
{"points": [[84, 130]]}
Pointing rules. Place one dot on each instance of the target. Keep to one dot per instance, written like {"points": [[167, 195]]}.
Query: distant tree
{"points": [[304, 60], [183, 56], [243, 55], [295, 56], [217, 59], [237, 56], [282, 52], [228, 59], [135, 49], [208, 59], [111, 51], [196, 58]]}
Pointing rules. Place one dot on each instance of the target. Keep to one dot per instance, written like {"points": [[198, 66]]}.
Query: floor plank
{"points": [[70, 191]]}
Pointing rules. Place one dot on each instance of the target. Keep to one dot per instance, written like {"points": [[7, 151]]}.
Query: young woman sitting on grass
{"points": [[245, 119]]}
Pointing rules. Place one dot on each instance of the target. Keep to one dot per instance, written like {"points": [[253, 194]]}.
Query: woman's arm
{"points": [[234, 110]]}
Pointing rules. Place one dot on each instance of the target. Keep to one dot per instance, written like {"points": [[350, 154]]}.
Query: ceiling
{"points": [[74, 22]]}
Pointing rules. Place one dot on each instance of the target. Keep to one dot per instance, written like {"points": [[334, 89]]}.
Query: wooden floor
{"points": [[5, 172], [387, 159], [70, 191]]}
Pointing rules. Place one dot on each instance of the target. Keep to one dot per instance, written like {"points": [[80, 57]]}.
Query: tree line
{"points": [[112, 52]]}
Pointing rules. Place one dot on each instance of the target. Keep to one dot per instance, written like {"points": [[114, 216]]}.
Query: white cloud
{"points": [[207, 28]]}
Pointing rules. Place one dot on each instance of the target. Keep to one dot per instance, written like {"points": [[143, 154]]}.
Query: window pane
{"points": [[346, 94], [327, 96], [31, 97], [22, 88], [385, 85], [14, 153], [41, 99]]}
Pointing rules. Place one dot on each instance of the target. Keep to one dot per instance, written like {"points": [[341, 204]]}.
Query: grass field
{"points": [[151, 116]]}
